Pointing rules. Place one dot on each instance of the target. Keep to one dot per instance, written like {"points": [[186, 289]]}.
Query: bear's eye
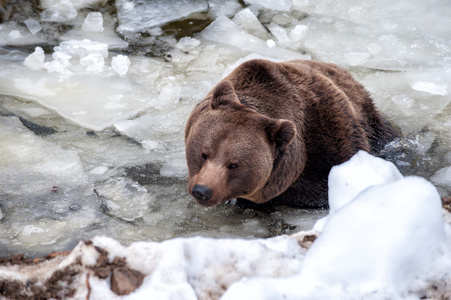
{"points": [[232, 166], [204, 156]]}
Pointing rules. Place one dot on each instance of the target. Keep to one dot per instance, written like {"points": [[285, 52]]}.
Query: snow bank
{"points": [[387, 242], [355, 175]]}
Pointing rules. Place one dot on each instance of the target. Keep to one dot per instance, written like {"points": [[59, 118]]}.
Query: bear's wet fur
{"points": [[269, 133]]}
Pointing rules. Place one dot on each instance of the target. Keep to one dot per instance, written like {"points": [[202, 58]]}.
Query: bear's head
{"points": [[231, 150]]}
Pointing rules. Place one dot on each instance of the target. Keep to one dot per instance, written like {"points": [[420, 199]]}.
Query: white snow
{"points": [[35, 60], [82, 48], [93, 63], [58, 11], [15, 34], [388, 242], [97, 28], [355, 175], [63, 10], [120, 64]]}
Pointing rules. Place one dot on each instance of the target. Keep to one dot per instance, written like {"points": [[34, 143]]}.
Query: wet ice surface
{"points": [[93, 110], [363, 249]]}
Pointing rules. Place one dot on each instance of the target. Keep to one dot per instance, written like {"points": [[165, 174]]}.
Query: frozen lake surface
{"points": [[94, 100]]}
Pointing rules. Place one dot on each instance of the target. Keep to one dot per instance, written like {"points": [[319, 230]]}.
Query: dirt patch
{"points": [[446, 202], [22, 260], [64, 282], [58, 286]]}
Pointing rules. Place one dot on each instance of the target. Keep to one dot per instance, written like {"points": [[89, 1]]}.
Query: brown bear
{"points": [[270, 133]]}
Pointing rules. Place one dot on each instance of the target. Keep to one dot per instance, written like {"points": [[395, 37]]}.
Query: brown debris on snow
{"points": [[60, 275], [446, 202], [125, 280]]}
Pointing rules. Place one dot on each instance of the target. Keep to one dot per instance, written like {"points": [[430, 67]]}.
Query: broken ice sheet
{"points": [[139, 16], [96, 30], [162, 136], [404, 99], [248, 21], [223, 30], [39, 183], [277, 5], [13, 34], [356, 58], [38, 171], [44, 232], [443, 177], [431, 88], [218, 8], [103, 100], [124, 198], [401, 37], [63, 10], [94, 101]]}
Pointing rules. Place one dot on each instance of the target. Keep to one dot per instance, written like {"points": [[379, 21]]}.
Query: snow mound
{"points": [[393, 241], [355, 175], [388, 242]]}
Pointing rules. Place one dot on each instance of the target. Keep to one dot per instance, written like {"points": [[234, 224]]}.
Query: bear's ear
{"points": [[281, 132], [224, 94]]}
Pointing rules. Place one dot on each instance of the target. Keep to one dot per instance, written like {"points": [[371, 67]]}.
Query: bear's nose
{"points": [[201, 193]]}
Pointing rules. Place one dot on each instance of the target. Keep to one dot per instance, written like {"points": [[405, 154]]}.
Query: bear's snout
{"points": [[201, 193]]}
